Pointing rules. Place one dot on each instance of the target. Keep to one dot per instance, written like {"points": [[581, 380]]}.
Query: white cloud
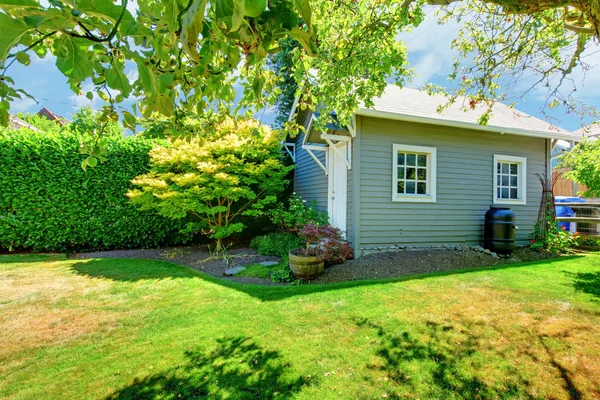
{"points": [[132, 75], [81, 101], [46, 61], [429, 49], [25, 104]]}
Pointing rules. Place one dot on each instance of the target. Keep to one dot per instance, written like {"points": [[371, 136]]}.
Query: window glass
{"points": [[414, 168], [507, 180]]}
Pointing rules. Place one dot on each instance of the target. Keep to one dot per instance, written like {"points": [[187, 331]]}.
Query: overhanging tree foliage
{"points": [[192, 54], [584, 161]]}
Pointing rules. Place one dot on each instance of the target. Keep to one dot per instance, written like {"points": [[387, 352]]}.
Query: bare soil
{"points": [[372, 266]]}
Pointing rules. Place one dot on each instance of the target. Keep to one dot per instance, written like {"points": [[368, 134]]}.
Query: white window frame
{"points": [[431, 153], [522, 181]]}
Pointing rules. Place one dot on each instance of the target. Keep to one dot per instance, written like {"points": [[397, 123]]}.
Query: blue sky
{"points": [[430, 55]]}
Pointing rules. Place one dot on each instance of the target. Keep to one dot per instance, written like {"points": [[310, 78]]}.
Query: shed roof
{"points": [[418, 106], [591, 132]]}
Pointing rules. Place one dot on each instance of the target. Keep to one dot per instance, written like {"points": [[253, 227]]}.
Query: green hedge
{"points": [[48, 202]]}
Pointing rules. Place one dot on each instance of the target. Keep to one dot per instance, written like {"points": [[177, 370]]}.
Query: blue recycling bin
{"points": [[564, 211]]}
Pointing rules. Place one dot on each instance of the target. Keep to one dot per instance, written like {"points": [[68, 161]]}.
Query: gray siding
{"points": [[310, 180], [464, 184]]}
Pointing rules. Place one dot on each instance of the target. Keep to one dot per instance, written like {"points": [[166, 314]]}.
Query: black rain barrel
{"points": [[499, 229]]}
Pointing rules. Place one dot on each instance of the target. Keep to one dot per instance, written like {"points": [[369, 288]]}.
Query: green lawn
{"points": [[124, 329]]}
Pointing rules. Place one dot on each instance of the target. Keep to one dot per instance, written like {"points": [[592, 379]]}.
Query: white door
{"points": [[338, 187]]}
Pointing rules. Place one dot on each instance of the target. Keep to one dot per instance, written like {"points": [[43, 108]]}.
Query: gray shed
{"points": [[406, 175]]}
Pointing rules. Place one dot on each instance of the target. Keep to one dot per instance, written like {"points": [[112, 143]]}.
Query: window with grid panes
{"points": [[414, 173]]}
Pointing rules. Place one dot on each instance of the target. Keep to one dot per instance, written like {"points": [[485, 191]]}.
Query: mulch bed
{"points": [[377, 265], [410, 262]]}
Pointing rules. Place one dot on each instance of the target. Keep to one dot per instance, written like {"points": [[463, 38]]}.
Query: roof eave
{"points": [[465, 125]]}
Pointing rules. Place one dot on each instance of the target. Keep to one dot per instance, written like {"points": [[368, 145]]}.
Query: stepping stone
{"points": [[269, 263], [233, 271]]}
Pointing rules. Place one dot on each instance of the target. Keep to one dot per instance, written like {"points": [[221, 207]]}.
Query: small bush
{"points": [[284, 275], [276, 244], [293, 217], [328, 241]]}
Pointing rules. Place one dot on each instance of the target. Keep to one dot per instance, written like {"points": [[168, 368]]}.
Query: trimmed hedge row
{"points": [[48, 202]]}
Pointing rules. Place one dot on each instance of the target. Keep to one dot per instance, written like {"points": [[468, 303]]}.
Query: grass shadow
{"points": [[588, 282], [444, 360], [130, 269], [440, 361], [236, 368], [30, 258]]}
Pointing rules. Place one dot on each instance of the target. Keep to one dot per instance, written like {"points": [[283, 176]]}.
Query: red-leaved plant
{"points": [[326, 242]]}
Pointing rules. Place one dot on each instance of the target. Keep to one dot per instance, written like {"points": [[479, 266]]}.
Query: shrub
{"points": [[214, 179], [276, 244], [47, 202], [296, 214], [327, 242]]}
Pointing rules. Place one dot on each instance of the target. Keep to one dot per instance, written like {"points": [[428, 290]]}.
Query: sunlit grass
{"points": [[148, 329]]}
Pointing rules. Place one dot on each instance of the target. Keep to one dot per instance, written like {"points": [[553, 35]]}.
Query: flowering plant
{"points": [[555, 240]]}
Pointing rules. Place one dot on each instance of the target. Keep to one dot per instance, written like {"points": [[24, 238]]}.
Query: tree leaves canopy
{"points": [[193, 55]]}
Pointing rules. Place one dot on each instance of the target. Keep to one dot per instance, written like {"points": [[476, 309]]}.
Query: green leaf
{"points": [[166, 79], [89, 95], [305, 39], [23, 58], [230, 13], [10, 34], [116, 79], [257, 86], [192, 26], [129, 121], [13, 4], [104, 9], [147, 78], [304, 8], [34, 21], [92, 161], [171, 14], [71, 60]]}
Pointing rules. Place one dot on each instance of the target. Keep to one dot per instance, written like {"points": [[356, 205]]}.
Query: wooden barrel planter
{"points": [[305, 267]]}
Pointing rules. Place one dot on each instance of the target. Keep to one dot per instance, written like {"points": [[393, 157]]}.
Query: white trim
{"points": [[336, 137], [309, 149], [465, 125], [345, 141], [431, 153], [522, 184], [290, 145], [313, 119]]}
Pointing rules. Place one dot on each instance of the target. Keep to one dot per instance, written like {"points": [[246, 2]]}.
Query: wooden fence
{"points": [[566, 187]]}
